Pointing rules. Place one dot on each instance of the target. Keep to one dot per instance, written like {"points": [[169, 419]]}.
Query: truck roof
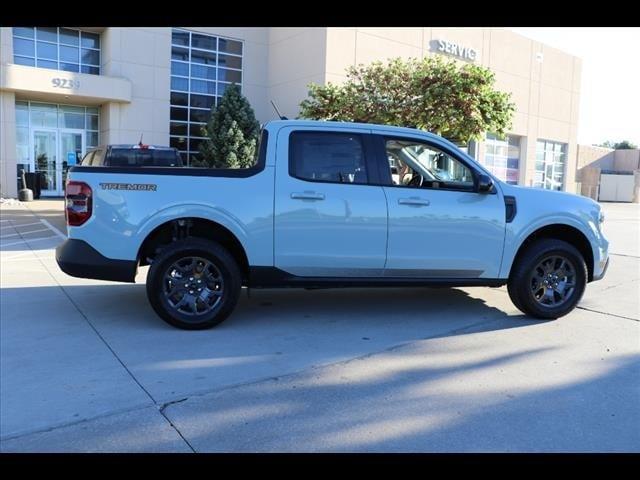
{"points": [[338, 125]]}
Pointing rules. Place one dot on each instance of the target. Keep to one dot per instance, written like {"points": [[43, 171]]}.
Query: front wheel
{"points": [[548, 280], [194, 284]]}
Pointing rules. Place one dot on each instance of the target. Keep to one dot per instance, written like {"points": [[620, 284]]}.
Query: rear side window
{"points": [[137, 157], [327, 157]]}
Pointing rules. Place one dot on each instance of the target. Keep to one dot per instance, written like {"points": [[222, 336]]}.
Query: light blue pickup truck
{"points": [[330, 204]]}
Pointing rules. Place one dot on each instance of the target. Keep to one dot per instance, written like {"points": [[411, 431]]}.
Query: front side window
{"points": [[416, 164], [327, 157], [57, 48]]}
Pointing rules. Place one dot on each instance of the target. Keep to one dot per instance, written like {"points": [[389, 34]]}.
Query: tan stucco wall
{"points": [[626, 160], [296, 57]]}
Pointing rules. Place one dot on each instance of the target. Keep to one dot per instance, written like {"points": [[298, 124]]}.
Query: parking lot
{"points": [[87, 366]]}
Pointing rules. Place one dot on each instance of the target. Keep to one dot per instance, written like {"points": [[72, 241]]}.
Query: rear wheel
{"points": [[194, 284], [548, 280]]}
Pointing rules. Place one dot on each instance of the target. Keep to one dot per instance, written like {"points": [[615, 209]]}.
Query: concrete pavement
{"points": [[87, 366]]}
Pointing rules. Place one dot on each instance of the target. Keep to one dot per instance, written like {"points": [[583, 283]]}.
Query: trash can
{"points": [[34, 183]]}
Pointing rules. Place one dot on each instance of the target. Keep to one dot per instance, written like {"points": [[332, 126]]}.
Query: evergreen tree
{"points": [[232, 133]]}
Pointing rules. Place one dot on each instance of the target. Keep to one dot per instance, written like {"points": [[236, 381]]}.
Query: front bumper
{"points": [[79, 259], [599, 276]]}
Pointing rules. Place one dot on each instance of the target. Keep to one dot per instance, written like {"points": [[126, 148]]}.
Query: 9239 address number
{"points": [[64, 83]]}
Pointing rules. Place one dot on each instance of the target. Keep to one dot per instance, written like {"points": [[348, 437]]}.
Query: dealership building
{"points": [[66, 89]]}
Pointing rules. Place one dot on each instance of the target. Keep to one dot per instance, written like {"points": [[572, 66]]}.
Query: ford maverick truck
{"points": [[329, 204]]}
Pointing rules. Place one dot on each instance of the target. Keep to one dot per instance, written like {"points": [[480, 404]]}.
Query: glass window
{"points": [[195, 130], [69, 37], [179, 98], [90, 40], [230, 46], [229, 61], [502, 157], [89, 69], [90, 57], [205, 42], [57, 49], [202, 101], [195, 71], [550, 165], [92, 122], [202, 86], [47, 50], [179, 114], [49, 34], [176, 128], [180, 68], [178, 142], [180, 54], [229, 75], [180, 38], [24, 47], [327, 157], [69, 54], [194, 144], [416, 164], [202, 71], [47, 64], [200, 115], [22, 114], [22, 136], [71, 120], [208, 58], [179, 83], [31, 62], [23, 32]]}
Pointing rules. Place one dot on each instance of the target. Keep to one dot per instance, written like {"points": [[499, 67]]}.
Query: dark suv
{"points": [[132, 156]]}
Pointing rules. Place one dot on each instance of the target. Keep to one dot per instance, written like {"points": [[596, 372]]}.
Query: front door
{"points": [[71, 151], [45, 157], [439, 225], [329, 222], [54, 152]]}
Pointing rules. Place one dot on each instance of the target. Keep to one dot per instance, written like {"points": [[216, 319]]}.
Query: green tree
{"points": [[623, 145], [457, 102], [232, 133]]}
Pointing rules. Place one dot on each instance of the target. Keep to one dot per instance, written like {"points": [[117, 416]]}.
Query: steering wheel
{"points": [[416, 181]]}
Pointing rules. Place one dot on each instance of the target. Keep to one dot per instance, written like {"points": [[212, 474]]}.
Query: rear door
{"points": [[329, 220]]}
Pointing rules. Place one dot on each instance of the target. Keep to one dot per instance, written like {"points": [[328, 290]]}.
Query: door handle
{"points": [[421, 202], [307, 196]]}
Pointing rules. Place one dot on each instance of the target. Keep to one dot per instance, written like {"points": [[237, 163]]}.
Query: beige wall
{"points": [[296, 57]]}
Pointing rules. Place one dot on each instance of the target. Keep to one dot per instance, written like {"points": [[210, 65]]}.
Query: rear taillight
{"points": [[79, 202]]}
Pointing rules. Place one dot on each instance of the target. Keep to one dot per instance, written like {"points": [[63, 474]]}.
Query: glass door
{"points": [[72, 145], [45, 157]]}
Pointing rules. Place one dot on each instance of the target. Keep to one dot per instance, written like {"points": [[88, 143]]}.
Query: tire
{"points": [[219, 282], [537, 265]]}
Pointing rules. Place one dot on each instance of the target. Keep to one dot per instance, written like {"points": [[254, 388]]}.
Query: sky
{"points": [[610, 91]]}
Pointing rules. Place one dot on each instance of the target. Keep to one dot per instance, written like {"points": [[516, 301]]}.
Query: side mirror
{"points": [[485, 184]]}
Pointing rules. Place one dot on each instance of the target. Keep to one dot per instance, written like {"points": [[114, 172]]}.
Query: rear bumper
{"points": [[79, 259]]}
